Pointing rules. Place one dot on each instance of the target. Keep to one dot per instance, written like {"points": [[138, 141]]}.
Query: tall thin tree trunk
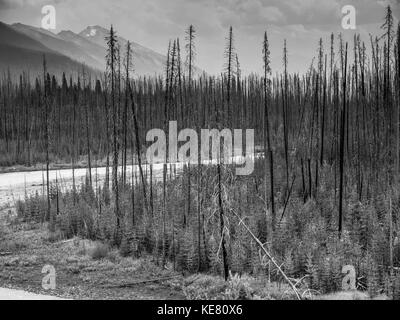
{"points": [[46, 105], [342, 142]]}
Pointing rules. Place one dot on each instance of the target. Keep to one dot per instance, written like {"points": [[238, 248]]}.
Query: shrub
{"points": [[99, 251], [244, 287], [204, 287]]}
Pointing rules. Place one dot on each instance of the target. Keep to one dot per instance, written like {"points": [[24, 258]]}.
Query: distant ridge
{"points": [[21, 53], [146, 61], [70, 52]]}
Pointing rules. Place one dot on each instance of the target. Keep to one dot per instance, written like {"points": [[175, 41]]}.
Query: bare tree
{"points": [[266, 124]]}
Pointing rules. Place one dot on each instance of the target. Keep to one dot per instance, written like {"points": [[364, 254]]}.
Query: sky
{"points": [[152, 23]]}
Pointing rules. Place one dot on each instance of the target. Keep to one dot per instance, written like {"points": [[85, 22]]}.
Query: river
{"points": [[14, 185]]}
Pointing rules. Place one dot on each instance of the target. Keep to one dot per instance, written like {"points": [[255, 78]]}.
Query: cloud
{"points": [[10, 4], [249, 13], [15, 4], [305, 12]]}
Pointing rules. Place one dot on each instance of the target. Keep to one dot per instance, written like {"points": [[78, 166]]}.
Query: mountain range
{"points": [[22, 48]]}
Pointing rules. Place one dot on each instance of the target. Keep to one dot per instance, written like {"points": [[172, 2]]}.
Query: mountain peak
{"points": [[93, 31], [89, 47]]}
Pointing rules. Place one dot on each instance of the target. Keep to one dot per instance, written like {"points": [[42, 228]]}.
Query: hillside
{"points": [[61, 46], [146, 61], [20, 53], [23, 46]]}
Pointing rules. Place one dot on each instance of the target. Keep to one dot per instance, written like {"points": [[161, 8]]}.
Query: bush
{"points": [[12, 246], [204, 287], [99, 251], [244, 287]]}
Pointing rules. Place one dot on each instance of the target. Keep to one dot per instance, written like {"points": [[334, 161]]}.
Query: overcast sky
{"points": [[152, 23]]}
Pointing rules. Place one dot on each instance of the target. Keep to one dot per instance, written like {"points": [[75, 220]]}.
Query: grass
{"points": [[245, 287], [84, 269]]}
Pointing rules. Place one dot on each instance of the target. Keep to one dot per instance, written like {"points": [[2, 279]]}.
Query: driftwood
{"points": [[3, 254], [131, 284]]}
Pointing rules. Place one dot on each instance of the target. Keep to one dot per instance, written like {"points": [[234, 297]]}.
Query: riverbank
{"points": [[80, 164], [53, 166]]}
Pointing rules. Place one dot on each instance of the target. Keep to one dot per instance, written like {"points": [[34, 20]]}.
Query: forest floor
{"points": [[26, 249]]}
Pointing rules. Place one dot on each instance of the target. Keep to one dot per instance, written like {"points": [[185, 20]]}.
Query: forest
{"points": [[325, 191]]}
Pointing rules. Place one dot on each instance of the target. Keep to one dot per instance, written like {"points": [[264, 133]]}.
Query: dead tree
{"points": [[342, 142], [266, 125]]}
